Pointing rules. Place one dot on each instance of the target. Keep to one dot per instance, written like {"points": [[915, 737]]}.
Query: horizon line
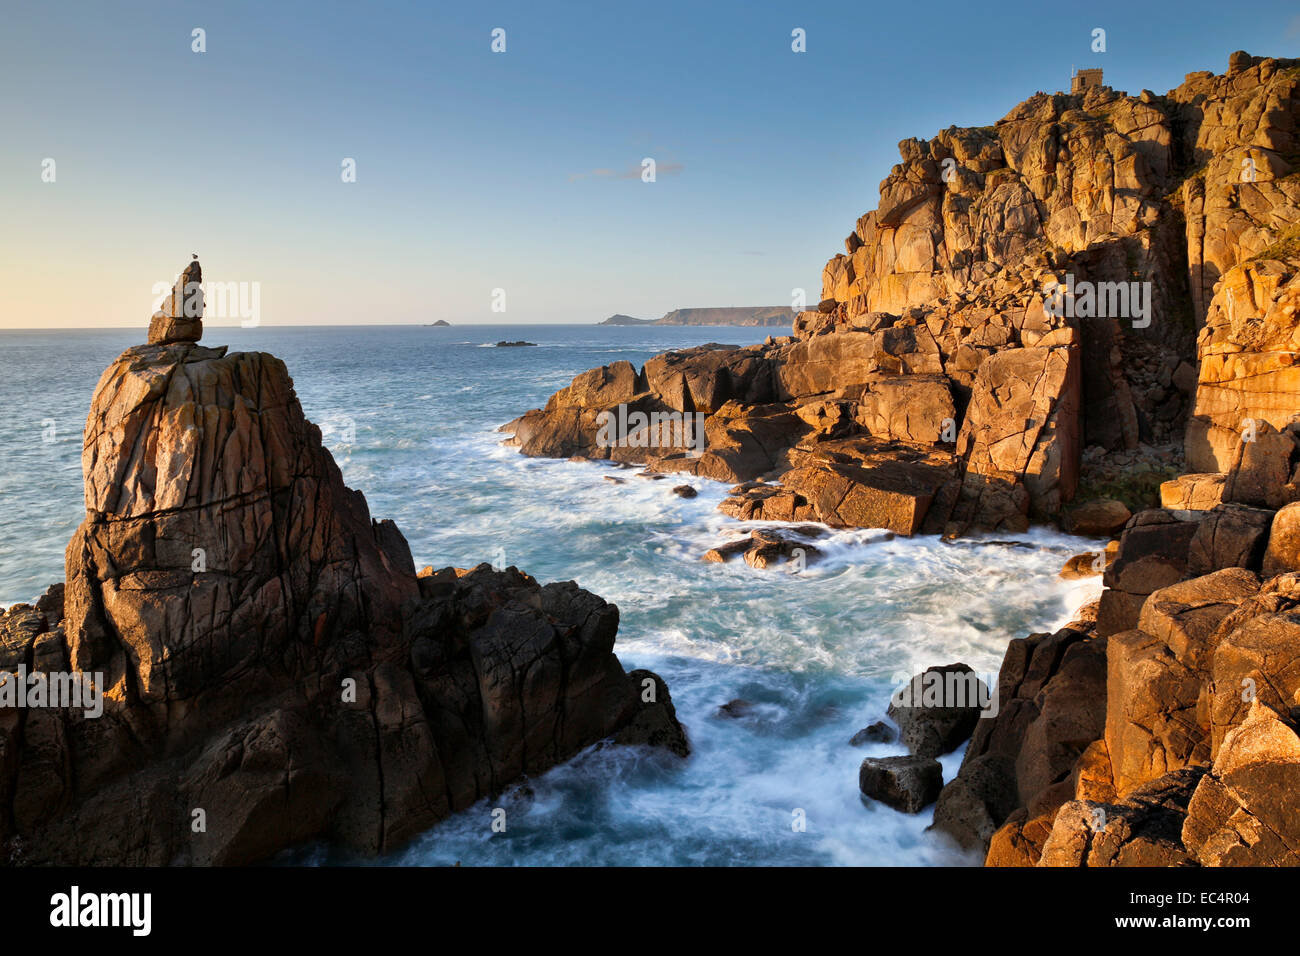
{"points": [[386, 325]]}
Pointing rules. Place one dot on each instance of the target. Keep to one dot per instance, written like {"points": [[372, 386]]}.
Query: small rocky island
{"points": [[515, 345], [273, 668]]}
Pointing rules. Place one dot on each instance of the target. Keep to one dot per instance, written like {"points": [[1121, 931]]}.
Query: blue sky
{"points": [[478, 171]]}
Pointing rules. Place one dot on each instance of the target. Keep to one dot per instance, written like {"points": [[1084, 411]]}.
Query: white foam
{"points": [[816, 653]]}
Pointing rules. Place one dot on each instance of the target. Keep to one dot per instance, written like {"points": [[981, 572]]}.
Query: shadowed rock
{"points": [[938, 709], [909, 784]]}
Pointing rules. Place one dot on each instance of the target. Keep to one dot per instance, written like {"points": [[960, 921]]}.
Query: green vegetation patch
{"points": [[1286, 247], [1138, 490]]}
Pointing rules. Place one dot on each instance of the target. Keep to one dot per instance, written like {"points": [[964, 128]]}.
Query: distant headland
{"points": [[759, 315]]}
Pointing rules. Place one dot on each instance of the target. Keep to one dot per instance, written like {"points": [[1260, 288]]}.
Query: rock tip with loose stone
{"points": [[180, 318]]}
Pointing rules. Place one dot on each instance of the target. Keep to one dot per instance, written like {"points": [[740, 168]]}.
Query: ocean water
{"points": [[411, 413]]}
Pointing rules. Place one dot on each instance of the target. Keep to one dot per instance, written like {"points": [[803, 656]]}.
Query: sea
{"points": [[411, 415]]}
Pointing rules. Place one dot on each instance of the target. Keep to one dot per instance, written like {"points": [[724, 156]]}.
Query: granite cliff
{"points": [[1098, 290], [1033, 307], [1161, 728]]}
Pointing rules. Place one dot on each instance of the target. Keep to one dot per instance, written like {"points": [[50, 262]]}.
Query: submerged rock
{"points": [[736, 708], [1091, 563], [877, 733], [766, 548]]}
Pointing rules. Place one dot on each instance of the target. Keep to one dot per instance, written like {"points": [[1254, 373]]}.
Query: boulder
{"points": [[1019, 841], [824, 364], [166, 329], [1067, 715], [909, 784], [910, 408], [937, 710], [50, 604], [1144, 829], [769, 548], [1151, 712], [766, 548], [1230, 536], [978, 800], [1282, 552], [705, 378], [1192, 492], [1090, 563], [736, 708], [1051, 706], [1023, 422], [1156, 719], [1153, 554], [1262, 467], [740, 444], [1186, 616], [862, 483], [722, 553], [654, 724], [1254, 660], [599, 388], [1100, 517], [1243, 811]]}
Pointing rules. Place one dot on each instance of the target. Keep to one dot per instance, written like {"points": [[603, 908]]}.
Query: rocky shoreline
{"points": [[1087, 314], [268, 666], [1092, 303]]}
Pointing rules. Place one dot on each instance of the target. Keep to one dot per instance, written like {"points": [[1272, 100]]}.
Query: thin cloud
{"points": [[632, 172]]}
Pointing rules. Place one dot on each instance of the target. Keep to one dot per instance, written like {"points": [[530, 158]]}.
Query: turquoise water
{"points": [[410, 413]]}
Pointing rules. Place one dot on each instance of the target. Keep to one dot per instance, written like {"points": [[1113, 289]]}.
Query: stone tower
{"points": [[1083, 79]]}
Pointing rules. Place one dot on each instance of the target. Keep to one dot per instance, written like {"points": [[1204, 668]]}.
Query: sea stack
{"points": [[181, 317], [262, 657]]}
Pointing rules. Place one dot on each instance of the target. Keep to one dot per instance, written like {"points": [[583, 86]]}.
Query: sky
{"points": [[487, 179]]}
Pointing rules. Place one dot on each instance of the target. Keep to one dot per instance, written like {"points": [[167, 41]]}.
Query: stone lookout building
{"points": [[1083, 79]]}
